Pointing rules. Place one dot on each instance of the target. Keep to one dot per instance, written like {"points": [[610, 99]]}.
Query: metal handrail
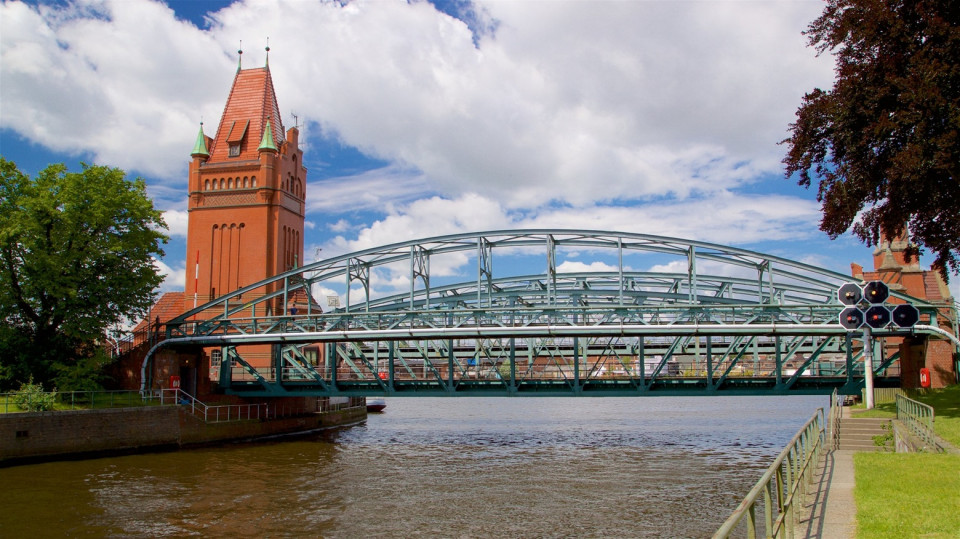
{"points": [[783, 486], [218, 413], [918, 417], [82, 400], [836, 411]]}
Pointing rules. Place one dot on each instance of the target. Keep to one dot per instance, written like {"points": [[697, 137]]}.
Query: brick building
{"points": [[891, 265], [247, 191]]}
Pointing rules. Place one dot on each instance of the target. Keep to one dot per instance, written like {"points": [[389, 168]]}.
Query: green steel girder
{"points": [[777, 279], [748, 296], [553, 388]]}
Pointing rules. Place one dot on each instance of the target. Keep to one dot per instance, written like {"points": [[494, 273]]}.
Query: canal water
{"points": [[456, 467]]}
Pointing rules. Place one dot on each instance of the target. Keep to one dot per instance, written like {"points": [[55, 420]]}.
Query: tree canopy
{"points": [[77, 256], [884, 143]]}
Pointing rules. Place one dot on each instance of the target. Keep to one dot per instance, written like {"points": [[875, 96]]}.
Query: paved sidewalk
{"points": [[831, 508], [831, 512]]}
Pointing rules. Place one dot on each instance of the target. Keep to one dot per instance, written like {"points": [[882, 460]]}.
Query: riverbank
{"points": [[43, 436], [852, 490]]}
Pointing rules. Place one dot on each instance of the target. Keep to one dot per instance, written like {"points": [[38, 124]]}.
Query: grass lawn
{"points": [[946, 412], [907, 495], [84, 401], [887, 410]]}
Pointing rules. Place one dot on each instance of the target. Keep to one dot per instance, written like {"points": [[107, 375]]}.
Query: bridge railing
{"points": [[782, 487], [213, 413], [918, 417]]}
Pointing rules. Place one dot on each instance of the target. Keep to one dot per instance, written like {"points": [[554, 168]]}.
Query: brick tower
{"points": [[247, 189]]}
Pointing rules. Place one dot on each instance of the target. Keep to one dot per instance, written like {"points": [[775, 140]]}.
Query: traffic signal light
{"points": [[866, 307], [905, 316], [876, 292], [851, 318], [850, 294], [877, 316]]}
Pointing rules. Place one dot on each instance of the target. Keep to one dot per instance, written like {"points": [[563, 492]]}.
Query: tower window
{"points": [[234, 150]]}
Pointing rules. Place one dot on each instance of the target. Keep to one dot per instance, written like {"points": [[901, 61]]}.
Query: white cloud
{"points": [[176, 222], [560, 118], [726, 219], [573, 101], [340, 226], [174, 278], [573, 266], [374, 189], [424, 218], [122, 79]]}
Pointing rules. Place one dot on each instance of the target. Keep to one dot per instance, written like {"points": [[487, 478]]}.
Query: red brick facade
{"points": [[892, 267], [247, 195]]}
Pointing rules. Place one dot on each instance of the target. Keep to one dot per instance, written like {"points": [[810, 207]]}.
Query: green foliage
{"points": [[907, 495], [885, 440], [86, 374], [77, 255], [32, 398], [884, 143]]}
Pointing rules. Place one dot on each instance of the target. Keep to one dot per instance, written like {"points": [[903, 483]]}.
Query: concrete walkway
{"points": [[831, 512]]}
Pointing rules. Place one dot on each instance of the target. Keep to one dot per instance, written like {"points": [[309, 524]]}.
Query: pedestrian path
{"points": [[830, 509]]}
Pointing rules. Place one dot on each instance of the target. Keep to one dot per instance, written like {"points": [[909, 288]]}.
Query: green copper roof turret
{"points": [[266, 143], [200, 148]]}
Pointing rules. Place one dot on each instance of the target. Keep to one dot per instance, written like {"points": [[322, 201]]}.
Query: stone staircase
{"points": [[857, 433]]}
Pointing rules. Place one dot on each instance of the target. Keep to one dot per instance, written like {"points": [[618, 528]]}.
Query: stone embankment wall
{"points": [[36, 436]]}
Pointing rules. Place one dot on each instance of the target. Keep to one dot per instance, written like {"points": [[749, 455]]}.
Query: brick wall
{"points": [[48, 435], [40, 434]]}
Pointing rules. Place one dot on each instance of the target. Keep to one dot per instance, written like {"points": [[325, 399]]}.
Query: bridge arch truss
{"points": [[539, 312]]}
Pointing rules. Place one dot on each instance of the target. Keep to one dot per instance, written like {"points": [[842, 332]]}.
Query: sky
{"points": [[425, 118]]}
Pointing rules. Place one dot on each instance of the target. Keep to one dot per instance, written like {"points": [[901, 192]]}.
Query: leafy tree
{"points": [[76, 256], [884, 143]]}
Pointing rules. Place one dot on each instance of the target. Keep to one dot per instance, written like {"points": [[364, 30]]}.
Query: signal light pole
{"points": [[865, 309], [868, 365]]}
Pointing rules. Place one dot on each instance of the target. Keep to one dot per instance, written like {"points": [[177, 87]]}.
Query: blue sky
{"points": [[422, 118]]}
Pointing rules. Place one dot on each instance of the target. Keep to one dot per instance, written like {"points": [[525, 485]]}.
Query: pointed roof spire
{"points": [[268, 53], [252, 102], [200, 148], [240, 56], [266, 143]]}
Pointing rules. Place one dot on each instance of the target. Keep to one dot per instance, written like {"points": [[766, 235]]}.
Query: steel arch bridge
{"points": [[706, 319]]}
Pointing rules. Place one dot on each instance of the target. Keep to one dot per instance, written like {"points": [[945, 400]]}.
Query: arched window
{"points": [[206, 185], [253, 181], [229, 183], [245, 182], [222, 183]]}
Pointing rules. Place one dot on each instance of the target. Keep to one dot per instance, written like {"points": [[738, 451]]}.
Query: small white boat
{"points": [[375, 405]]}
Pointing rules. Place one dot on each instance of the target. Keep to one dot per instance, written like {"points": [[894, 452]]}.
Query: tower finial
{"points": [[200, 148], [240, 56], [268, 51], [266, 142]]}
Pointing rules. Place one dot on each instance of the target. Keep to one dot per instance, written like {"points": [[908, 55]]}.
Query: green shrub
{"points": [[33, 398]]}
